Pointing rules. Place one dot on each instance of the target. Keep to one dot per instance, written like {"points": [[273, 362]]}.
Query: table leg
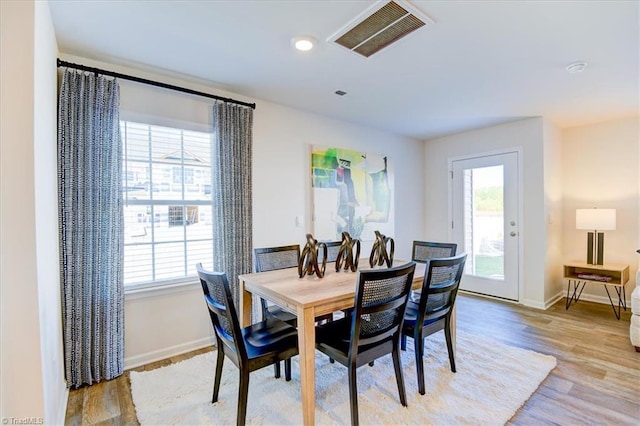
{"points": [[307, 349], [576, 295], [622, 303], [246, 305]]}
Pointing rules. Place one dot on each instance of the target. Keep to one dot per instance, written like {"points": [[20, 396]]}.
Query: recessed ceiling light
{"points": [[576, 67], [303, 43]]}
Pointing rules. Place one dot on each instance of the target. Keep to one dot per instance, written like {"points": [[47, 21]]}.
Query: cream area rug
{"points": [[492, 382]]}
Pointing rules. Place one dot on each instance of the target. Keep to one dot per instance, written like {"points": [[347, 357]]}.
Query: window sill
{"points": [[188, 284]]}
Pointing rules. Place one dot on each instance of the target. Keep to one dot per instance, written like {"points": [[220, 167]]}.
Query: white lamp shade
{"points": [[596, 219]]}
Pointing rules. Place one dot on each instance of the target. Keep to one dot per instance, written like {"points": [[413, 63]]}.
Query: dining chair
{"points": [[425, 250], [433, 312], [374, 328], [249, 348], [271, 259], [422, 251]]}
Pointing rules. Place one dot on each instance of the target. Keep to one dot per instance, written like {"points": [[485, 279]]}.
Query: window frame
{"points": [[173, 283]]}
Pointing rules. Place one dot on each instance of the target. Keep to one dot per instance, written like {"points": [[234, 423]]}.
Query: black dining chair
{"points": [[425, 250], [249, 348], [421, 252], [271, 259], [433, 312], [374, 328]]}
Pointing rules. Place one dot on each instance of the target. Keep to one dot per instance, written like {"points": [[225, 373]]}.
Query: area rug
{"points": [[491, 383]]}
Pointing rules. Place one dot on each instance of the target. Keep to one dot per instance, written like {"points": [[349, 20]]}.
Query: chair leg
{"points": [[397, 365], [216, 382], [287, 369], [419, 351], [403, 342], [447, 335], [243, 392], [371, 363], [276, 370], [353, 395]]}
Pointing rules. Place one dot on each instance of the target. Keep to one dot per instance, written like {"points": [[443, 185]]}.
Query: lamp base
{"points": [[595, 248]]}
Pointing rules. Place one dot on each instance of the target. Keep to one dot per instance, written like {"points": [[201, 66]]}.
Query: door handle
{"points": [[513, 233]]}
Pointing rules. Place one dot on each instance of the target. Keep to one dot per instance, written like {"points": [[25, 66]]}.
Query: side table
{"points": [[578, 274]]}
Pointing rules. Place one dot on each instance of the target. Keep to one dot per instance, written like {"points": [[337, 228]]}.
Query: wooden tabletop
{"points": [[335, 291]]}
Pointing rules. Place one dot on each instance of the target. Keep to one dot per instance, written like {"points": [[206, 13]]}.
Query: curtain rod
{"points": [[151, 82]]}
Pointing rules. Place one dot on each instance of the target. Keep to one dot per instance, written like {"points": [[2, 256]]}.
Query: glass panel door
{"points": [[485, 214]]}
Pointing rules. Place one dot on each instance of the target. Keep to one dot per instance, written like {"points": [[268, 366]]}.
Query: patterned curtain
{"points": [[91, 227], [232, 207]]}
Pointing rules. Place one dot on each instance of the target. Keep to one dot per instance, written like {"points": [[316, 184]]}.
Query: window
{"points": [[167, 203]]}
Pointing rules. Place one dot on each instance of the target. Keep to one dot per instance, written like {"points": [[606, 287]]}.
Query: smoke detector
{"points": [[379, 26]]}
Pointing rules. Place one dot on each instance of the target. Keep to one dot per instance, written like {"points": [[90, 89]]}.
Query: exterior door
{"points": [[485, 222]]}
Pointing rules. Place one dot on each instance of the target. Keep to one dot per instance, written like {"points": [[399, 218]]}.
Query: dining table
{"points": [[309, 297]]}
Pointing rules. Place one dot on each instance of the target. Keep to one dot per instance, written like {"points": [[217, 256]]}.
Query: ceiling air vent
{"points": [[381, 25]]}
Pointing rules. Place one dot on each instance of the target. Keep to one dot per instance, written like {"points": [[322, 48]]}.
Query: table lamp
{"points": [[595, 220]]}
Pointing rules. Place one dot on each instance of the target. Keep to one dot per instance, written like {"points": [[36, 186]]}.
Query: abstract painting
{"points": [[352, 192]]}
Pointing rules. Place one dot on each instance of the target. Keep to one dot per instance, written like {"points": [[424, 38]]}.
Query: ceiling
{"points": [[479, 64]]}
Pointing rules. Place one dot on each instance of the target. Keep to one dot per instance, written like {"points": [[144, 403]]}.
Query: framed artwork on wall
{"points": [[352, 191]]}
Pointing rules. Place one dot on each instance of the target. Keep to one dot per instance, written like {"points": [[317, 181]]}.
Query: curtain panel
{"points": [[232, 200], [91, 227]]}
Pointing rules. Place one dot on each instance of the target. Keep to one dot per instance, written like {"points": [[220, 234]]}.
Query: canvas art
{"points": [[352, 192]]}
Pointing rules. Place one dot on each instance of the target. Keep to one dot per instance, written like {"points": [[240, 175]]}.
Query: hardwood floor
{"points": [[596, 381]]}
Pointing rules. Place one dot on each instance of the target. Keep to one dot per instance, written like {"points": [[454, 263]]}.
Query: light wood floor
{"points": [[596, 381]]}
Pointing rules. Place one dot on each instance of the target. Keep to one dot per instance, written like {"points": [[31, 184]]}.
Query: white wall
{"points": [[32, 367], [46, 198], [553, 205], [527, 134], [160, 324], [600, 164], [282, 178]]}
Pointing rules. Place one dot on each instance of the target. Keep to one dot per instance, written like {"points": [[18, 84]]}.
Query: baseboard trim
{"points": [[153, 356], [587, 298], [61, 416], [555, 299], [534, 304], [600, 299]]}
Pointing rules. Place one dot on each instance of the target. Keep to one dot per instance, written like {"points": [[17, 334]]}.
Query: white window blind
{"points": [[166, 187]]}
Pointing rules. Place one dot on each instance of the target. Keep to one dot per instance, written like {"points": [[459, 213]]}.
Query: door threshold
{"points": [[488, 296]]}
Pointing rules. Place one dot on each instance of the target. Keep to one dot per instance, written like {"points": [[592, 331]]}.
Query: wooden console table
{"points": [[578, 274]]}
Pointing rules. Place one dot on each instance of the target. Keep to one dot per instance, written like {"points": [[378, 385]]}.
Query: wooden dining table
{"points": [[309, 297]]}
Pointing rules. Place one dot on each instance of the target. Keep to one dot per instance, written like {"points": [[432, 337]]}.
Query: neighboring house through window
{"points": [[167, 203]]}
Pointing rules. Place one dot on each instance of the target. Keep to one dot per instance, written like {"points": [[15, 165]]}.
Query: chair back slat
{"points": [[333, 248], [224, 317], [272, 258], [425, 250], [381, 300]]}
